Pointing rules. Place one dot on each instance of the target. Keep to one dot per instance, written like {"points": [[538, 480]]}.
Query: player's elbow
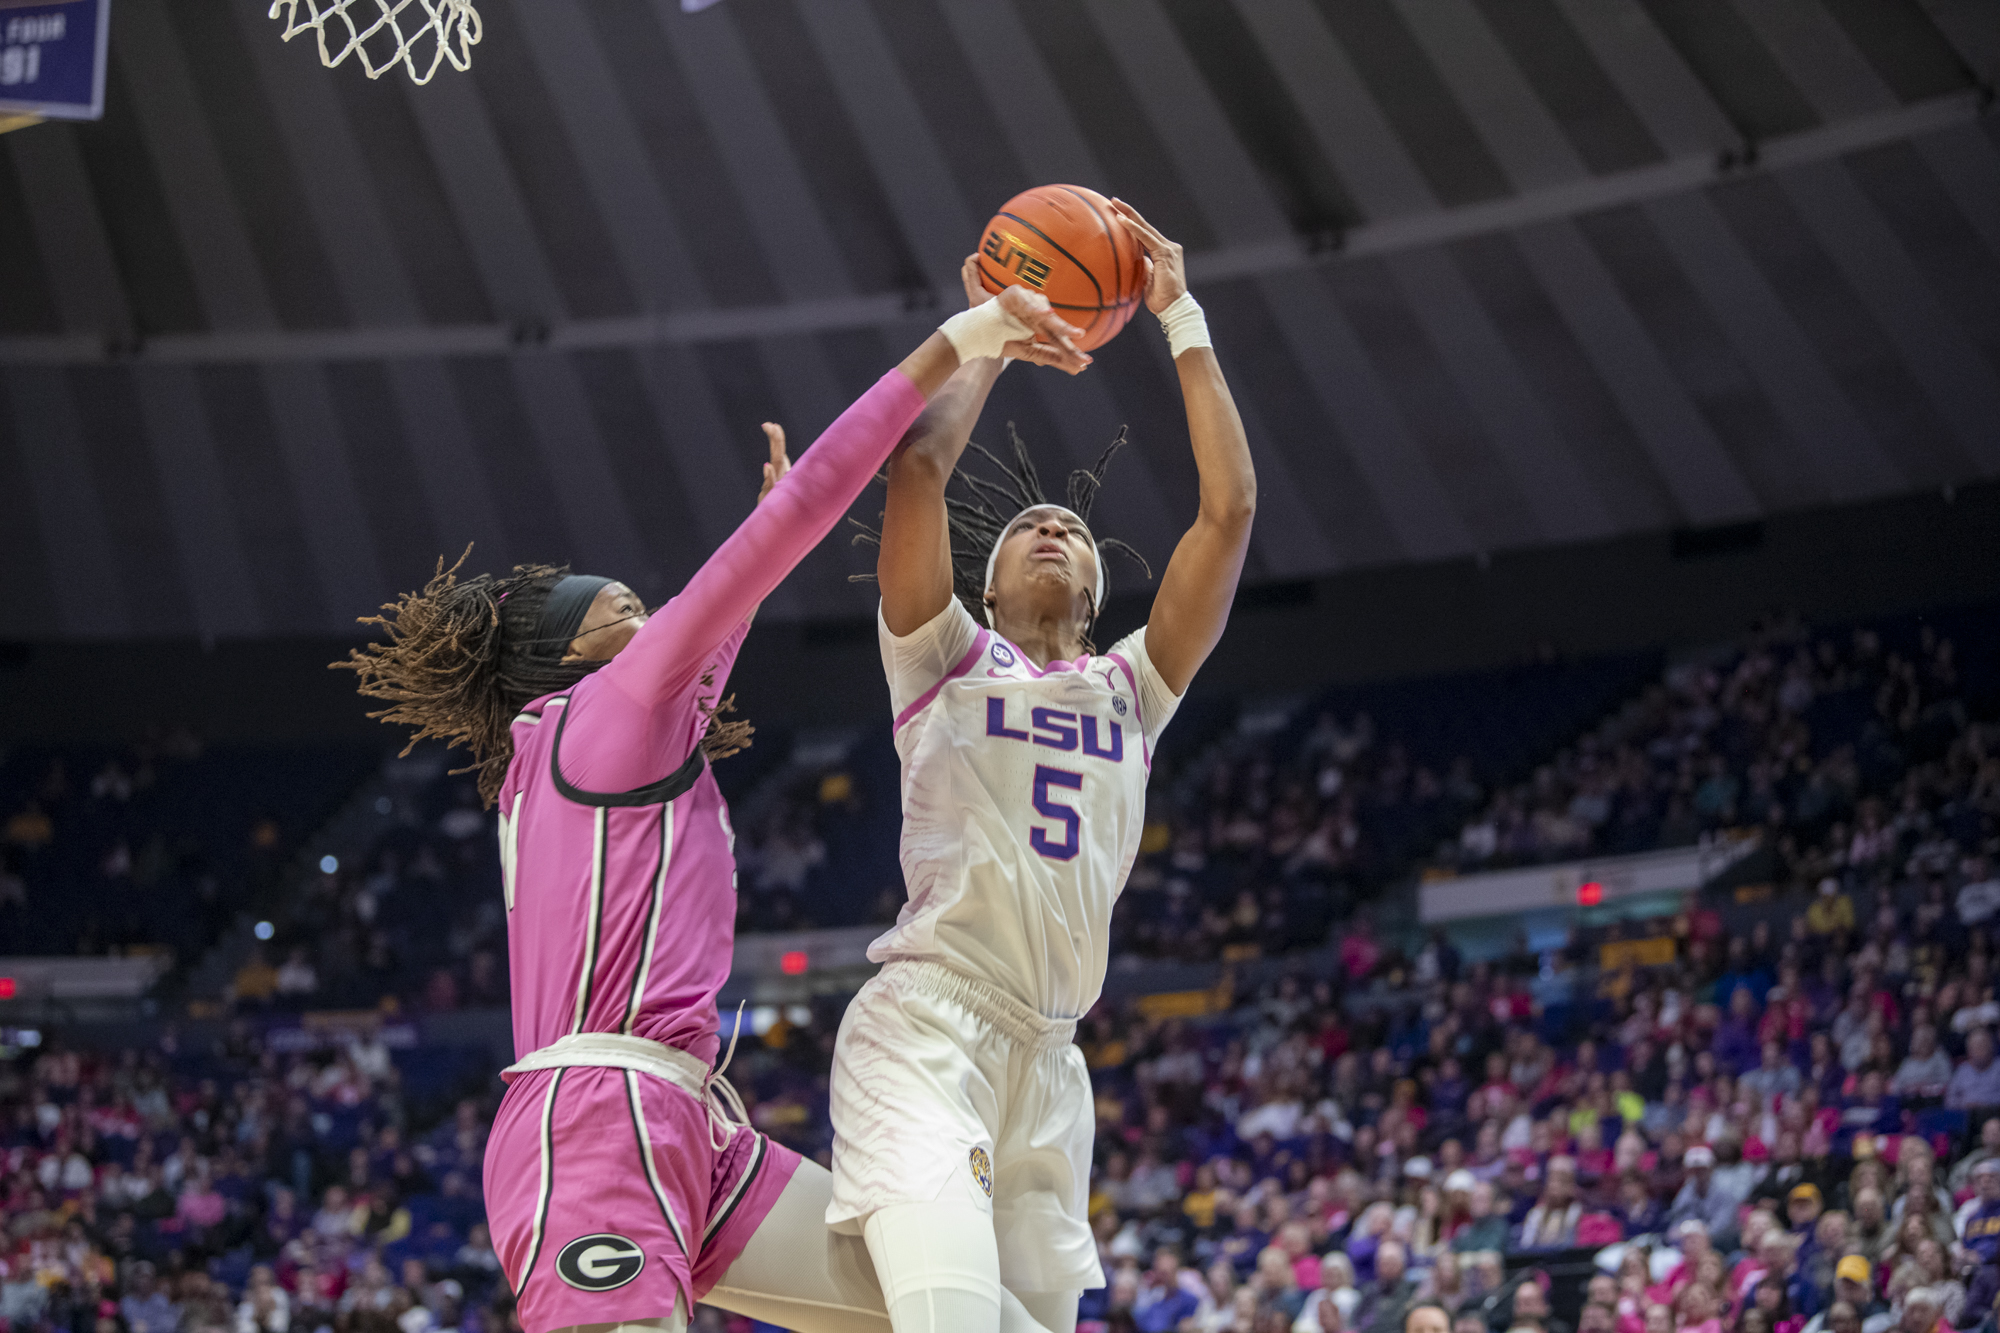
{"points": [[1235, 508], [921, 464]]}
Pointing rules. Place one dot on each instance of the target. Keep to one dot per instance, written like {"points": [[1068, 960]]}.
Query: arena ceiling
{"points": [[1486, 274]]}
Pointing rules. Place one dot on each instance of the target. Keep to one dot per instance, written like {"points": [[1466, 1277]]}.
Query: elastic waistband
{"points": [[1013, 1020], [611, 1050]]}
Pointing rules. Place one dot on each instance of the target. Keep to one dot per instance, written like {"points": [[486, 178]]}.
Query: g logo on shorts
{"points": [[599, 1263], [982, 1170]]}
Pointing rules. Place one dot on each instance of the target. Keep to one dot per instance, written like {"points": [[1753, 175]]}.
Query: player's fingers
{"points": [[968, 277], [1057, 330], [1048, 354], [1147, 232], [1069, 359]]}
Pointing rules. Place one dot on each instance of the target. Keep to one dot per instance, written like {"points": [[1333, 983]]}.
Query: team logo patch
{"points": [[1003, 654], [1118, 706], [599, 1263], [982, 1170]]}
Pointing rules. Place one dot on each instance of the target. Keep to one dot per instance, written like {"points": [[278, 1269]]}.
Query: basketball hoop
{"points": [[374, 32]]}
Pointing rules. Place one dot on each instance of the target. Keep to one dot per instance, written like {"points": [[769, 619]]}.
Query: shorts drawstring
{"points": [[719, 1096]]}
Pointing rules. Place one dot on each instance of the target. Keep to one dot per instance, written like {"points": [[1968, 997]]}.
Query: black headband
{"points": [[563, 613]]}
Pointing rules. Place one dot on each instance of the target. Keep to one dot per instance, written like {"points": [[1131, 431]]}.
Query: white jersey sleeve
{"points": [[1156, 702], [916, 662]]}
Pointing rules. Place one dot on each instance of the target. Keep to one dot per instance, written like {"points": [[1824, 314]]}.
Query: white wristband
{"points": [[1186, 326], [983, 331]]}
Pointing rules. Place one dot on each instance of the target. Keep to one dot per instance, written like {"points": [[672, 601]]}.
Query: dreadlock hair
{"points": [[979, 519], [462, 661]]}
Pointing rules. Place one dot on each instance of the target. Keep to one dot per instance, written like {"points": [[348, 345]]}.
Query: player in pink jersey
{"points": [[618, 1188], [962, 1111]]}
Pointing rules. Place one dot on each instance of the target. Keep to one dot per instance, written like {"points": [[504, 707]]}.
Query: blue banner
{"points": [[52, 58]]}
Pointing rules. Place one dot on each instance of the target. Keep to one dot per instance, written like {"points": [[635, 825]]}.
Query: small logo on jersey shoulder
{"points": [[1118, 705], [1003, 654], [602, 1262], [982, 1170]]}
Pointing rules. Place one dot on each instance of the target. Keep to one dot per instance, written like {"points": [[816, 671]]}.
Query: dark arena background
{"points": [[1589, 823]]}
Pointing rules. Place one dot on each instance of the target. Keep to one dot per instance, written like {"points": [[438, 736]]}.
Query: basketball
{"points": [[1065, 242]]}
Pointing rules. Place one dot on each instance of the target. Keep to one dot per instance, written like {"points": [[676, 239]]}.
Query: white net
{"points": [[419, 35]]}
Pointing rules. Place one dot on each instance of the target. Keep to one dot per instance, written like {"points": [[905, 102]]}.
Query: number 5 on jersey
{"points": [[1047, 778]]}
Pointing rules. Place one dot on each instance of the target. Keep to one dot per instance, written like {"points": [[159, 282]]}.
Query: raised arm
{"points": [[914, 565], [803, 506], [1192, 606], [636, 720]]}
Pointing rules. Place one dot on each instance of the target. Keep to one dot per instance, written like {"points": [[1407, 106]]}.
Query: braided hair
{"points": [[462, 660], [978, 520]]}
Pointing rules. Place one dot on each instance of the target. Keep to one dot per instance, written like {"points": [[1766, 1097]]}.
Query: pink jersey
{"points": [[618, 863]]}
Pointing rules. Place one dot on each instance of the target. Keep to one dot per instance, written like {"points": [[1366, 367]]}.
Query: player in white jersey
{"points": [[962, 1110]]}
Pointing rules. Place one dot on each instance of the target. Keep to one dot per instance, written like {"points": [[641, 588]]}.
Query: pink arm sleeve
{"points": [[633, 721]]}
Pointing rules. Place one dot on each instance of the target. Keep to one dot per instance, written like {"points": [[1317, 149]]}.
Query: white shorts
{"points": [[943, 1086]]}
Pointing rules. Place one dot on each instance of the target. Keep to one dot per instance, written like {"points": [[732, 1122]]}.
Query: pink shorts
{"points": [[608, 1200]]}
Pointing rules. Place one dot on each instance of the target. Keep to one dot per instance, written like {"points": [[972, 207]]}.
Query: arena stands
{"points": [[1274, 819], [168, 1189], [1796, 732], [1766, 1114], [156, 845]]}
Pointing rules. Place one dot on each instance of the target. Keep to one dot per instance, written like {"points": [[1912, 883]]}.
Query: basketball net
{"points": [[373, 31]]}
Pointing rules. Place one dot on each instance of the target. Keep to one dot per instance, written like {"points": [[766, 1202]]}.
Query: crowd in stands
{"points": [[1783, 1130], [238, 1190], [1266, 823], [417, 916], [1268, 827], [1800, 735], [155, 845]]}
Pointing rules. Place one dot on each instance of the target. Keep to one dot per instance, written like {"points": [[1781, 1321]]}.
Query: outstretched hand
{"points": [[781, 462], [1166, 267], [1054, 342]]}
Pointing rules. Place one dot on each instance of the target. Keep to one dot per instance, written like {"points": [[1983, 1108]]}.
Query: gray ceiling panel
{"points": [[612, 161], [1705, 480], [1961, 385], [1967, 163], [1769, 340], [290, 537], [1536, 454], [201, 207], [30, 305], [431, 247], [85, 285], [1819, 57], [263, 172], [1582, 408], [28, 596], [1559, 64], [367, 269], [450, 468], [194, 497], [1739, 71], [86, 586], [1010, 73], [521, 93], [1478, 271], [1651, 76]]}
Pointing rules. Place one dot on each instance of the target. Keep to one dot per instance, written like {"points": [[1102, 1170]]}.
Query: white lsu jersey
{"points": [[1024, 799]]}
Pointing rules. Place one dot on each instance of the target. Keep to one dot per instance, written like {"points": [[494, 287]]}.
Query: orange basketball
{"points": [[1065, 242]]}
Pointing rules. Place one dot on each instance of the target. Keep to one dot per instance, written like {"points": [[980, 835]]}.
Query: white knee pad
{"points": [[939, 1266]]}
